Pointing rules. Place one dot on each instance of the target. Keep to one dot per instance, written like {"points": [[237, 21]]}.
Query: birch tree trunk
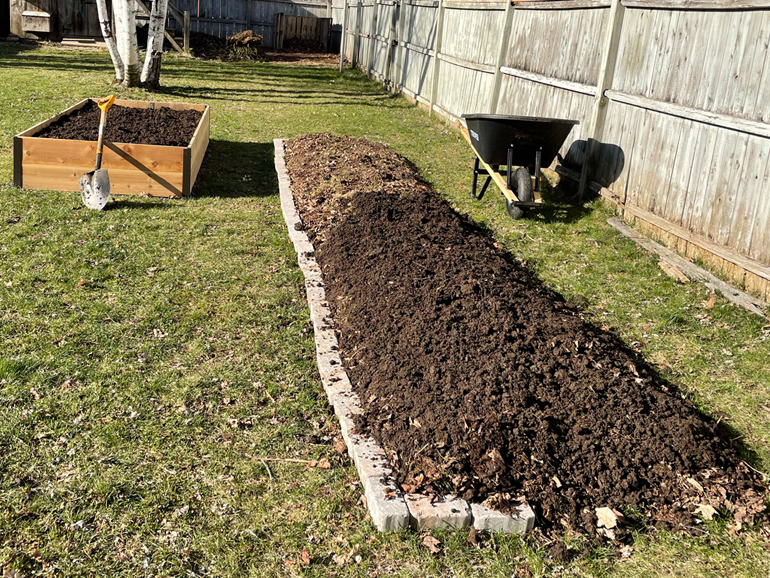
{"points": [[151, 70], [106, 25], [125, 27]]}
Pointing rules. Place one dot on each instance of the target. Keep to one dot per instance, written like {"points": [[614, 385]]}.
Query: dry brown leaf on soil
{"points": [[706, 511], [432, 544]]}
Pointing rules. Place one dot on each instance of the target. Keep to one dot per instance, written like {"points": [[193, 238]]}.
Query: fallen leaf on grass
{"points": [[339, 445], [712, 300], [625, 552], [432, 544], [324, 464], [706, 511], [304, 557]]}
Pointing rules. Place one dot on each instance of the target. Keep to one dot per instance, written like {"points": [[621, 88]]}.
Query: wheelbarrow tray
{"points": [[492, 135]]}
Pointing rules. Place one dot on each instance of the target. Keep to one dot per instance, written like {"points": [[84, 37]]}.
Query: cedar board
{"points": [[134, 169]]}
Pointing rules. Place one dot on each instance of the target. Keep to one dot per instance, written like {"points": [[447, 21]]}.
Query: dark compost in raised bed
{"points": [[479, 380], [159, 126]]}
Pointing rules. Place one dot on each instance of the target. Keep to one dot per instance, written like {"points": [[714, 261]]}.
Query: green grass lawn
{"points": [[157, 361]]}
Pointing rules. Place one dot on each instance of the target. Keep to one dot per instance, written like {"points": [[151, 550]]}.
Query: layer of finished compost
{"points": [[480, 381], [159, 126]]}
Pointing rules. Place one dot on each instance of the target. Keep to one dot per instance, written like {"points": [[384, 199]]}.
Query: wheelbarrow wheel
{"points": [[524, 185], [523, 193]]}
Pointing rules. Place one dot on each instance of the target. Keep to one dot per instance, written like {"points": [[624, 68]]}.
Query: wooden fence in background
{"points": [[673, 99], [302, 27], [224, 18]]}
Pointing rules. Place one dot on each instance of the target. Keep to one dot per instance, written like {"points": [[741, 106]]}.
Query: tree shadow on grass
{"points": [[237, 169]]}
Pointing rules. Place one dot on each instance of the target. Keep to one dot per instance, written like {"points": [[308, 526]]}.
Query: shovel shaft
{"points": [[102, 123]]}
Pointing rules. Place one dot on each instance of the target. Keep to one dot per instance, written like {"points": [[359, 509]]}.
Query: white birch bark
{"points": [[109, 39], [151, 70], [125, 28]]}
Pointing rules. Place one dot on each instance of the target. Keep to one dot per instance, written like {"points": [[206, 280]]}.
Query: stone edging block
{"points": [[389, 508]]}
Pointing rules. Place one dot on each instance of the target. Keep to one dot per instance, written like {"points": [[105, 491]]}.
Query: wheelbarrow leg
{"points": [[538, 158], [509, 172], [475, 177], [484, 188], [476, 172]]}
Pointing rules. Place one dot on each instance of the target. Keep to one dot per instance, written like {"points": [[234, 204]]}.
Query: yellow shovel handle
{"points": [[106, 102]]}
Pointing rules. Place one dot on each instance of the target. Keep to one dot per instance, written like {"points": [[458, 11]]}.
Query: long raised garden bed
{"points": [[475, 380], [156, 170]]}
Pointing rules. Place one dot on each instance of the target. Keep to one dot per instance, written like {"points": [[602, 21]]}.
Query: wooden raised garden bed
{"points": [[135, 169]]}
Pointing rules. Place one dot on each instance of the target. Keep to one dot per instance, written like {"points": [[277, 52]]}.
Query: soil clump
{"points": [[480, 381], [159, 126]]}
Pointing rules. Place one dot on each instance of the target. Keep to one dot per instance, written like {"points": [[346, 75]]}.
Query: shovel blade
{"points": [[95, 189]]}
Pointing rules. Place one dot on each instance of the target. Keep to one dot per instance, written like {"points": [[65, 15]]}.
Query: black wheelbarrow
{"points": [[513, 141]]}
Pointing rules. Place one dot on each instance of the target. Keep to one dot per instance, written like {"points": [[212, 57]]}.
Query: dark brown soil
{"points": [[161, 126], [479, 380]]}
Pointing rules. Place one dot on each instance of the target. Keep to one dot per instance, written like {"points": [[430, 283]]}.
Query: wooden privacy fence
{"points": [[302, 27], [673, 99], [224, 18]]}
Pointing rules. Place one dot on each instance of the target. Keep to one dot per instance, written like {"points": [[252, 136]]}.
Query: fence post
{"points": [[504, 42], [344, 36], [599, 109], [389, 64], [356, 34], [436, 54], [372, 39], [186, 31], [401, 41]]}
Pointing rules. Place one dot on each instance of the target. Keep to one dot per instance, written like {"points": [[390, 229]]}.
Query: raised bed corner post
{"points": [[436, 56], [344, 37], [501, 55], [604, 82], [372, 40]]}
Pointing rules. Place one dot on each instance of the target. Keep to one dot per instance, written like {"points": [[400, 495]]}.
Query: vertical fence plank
{"points": [[437, 52], [344, 36], [606, 73], [372, 39], [505, 39]]}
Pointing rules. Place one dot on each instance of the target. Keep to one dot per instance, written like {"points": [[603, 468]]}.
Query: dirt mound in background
{"points": [[244, 46], [245, 38], [160, 126], [479, 380]]}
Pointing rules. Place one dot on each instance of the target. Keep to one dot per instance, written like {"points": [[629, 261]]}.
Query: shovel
{"points": [[95, 186]]}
